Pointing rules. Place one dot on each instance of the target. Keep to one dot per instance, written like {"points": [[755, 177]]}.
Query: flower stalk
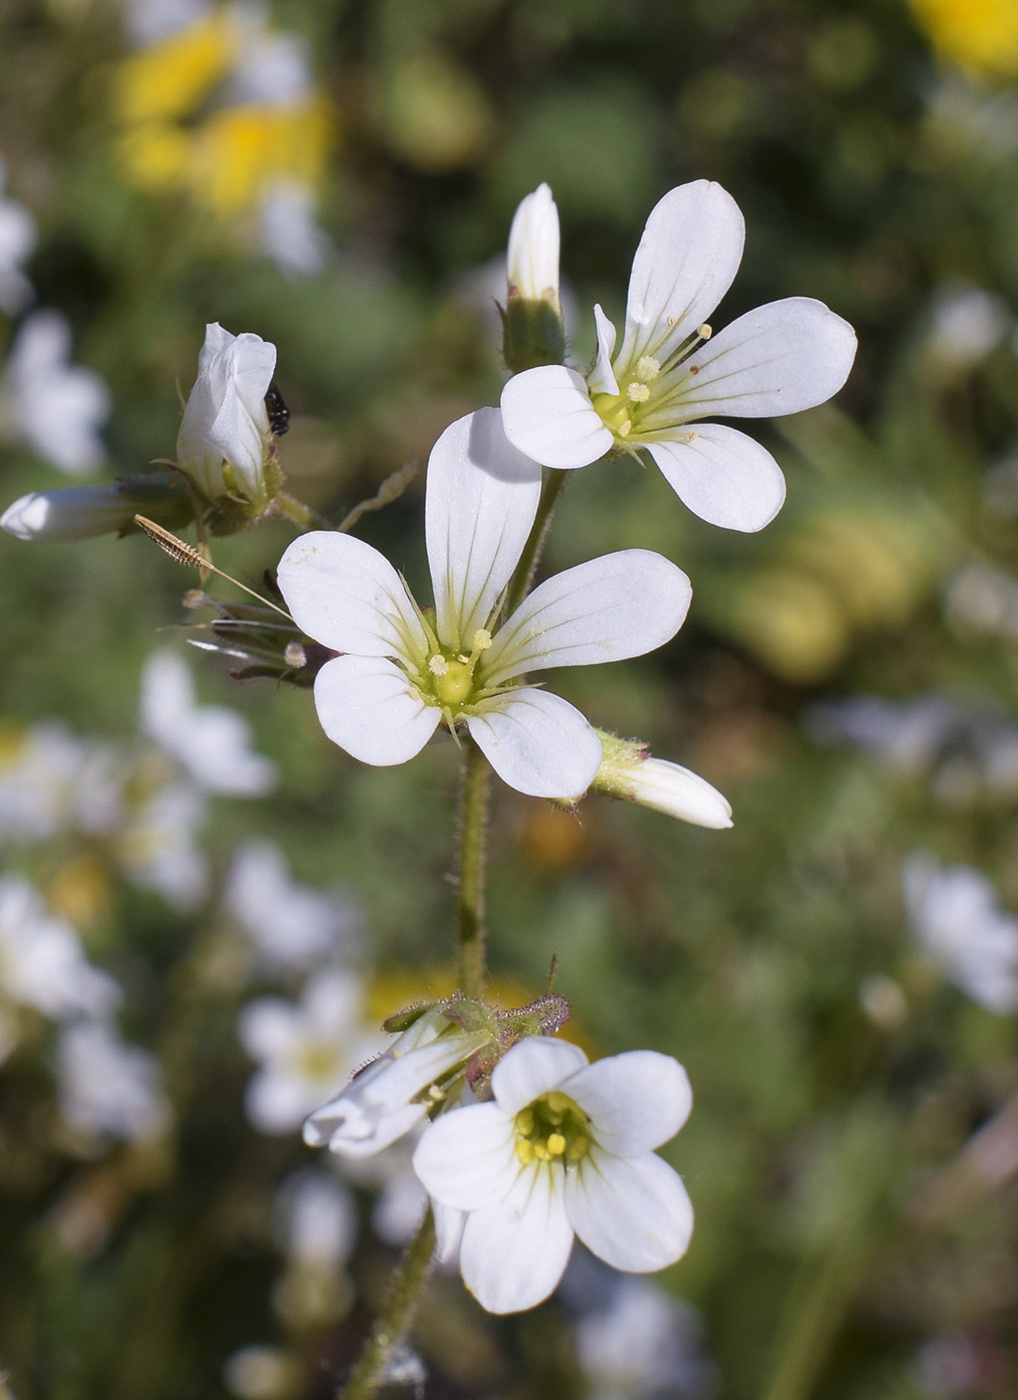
{"points": [[369, 1373], [475, 792], [522, 580]]}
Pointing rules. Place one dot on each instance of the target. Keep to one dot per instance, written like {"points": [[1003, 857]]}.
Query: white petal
{"points": [[513, 1254], [547, 413], [531, 1068], [634, 1213], [537, 743], [241, 425], [679, 792], [722, 475], [448, 1230], [348, 596], [367, 706], [607, 609], [267, 1027], [687, 259], [466, 1158], [482, 497], [780, 358], [636, 1101], [602, 379]]}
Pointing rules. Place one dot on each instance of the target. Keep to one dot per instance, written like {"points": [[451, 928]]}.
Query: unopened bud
{"points": [[628, 771], [80, 512], [532, 330]]}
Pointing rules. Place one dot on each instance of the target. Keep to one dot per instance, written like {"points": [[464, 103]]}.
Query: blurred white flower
{"points": [[966, 323], [50, 780], [107, 1086], [288, 232], [318, 1218], [307, 1050], [1000, 486], [210, 742], [401, 1200], [394, 1093], [981, 599], [564, 1148], [289, 926], [779, 359], [958, 923], [532, 257], [272, 67], [42, 963], [262, 1373], [401, 676], [158, 847], [149, 21], [224, 440], [18, 238], [643, 1344], [56, 407]]}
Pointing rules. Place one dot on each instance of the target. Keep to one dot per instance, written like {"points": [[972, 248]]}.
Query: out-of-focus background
{"points": [[202, 924]]}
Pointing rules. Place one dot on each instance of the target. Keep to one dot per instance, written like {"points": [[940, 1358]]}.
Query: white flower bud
{"points": [[532, 271], [80, 512], [224, 437], [627, 771]]}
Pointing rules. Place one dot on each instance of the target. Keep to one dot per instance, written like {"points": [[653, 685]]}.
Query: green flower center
{"points": [[450, 676], [646, 387], [552, 1129]]}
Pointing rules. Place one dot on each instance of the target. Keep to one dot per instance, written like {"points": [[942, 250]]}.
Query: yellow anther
{"points": [[436, 1093], [541, 1150], [625, 428], [637, 393], [525, 1121], [647, 368], [578, 1148], [482, 639], [525, 1152], [438, 666], [557, 1101], [704, 331], [556, 1144]]}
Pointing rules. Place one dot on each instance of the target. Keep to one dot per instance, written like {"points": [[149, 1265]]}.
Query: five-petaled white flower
{"points": [[42, 962], [224, 437], [958, 922], [671, 372], [404, 672], [107, 1086], [54, 406], [565, 1148]]}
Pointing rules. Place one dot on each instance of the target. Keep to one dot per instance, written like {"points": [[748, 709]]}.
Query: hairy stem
{"points": [[519, 585], [396, 1316], [472, 868]]}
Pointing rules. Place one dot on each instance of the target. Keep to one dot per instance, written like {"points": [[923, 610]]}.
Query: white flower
{"points": [[644, 1344], [44, 782], [402, 674], [957, 921], [307, 1050], [272, 68], [565, 1148], [149, 21], [288, 925], [983, 599], [907, 736], [107, 1086], [780, 358], [42, 963], [224, 438], [210, 742], [532, 259], [17, 240], [158, 845], [966, 324], [288, 232], [393, 1094], [56, 407], [81, 512], [401, 1200]]}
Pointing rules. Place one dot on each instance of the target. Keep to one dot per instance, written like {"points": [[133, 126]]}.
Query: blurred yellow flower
{"points": [[982, 35], [179, 130], [170, 78]]}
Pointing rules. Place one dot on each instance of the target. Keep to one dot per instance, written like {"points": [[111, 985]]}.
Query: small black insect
{"points": [[279, 414]]}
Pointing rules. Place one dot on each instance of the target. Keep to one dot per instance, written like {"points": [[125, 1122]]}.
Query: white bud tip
{"points": [[678, 792]]}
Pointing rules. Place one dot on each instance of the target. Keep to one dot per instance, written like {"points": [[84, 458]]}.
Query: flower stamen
{"points": [[553, 1128]]}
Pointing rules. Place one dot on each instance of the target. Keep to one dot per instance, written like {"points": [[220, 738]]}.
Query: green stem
{"points": [[519, 585], [369, 1373], [472, 868]]}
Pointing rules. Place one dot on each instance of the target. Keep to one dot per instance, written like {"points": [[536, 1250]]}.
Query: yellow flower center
{"points": [[552, 1129], [622, 412], [452, 675]]}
